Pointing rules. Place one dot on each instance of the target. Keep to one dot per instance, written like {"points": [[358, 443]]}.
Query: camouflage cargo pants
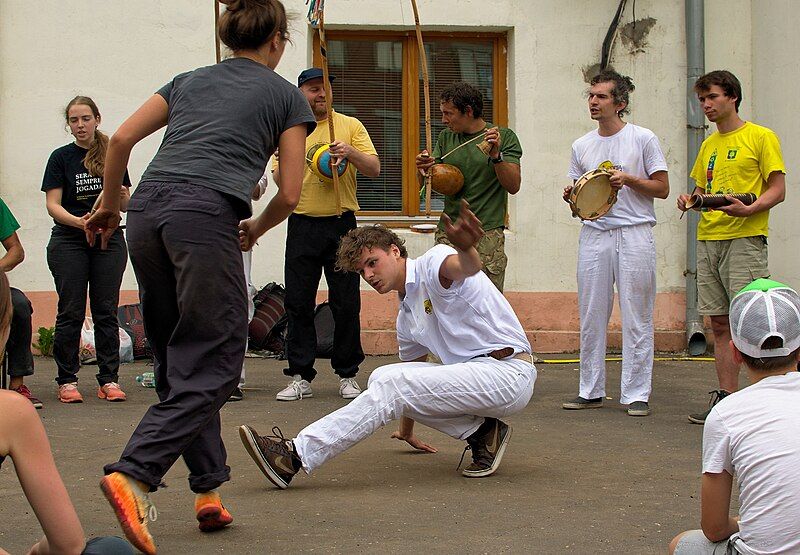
{"points": [[491, 249]]}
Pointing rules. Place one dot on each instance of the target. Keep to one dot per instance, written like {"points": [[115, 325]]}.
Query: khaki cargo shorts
{"points": [[724, 268], [492, 250]]}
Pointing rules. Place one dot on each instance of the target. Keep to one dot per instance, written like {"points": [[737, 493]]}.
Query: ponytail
{"points": [[95, 160]]}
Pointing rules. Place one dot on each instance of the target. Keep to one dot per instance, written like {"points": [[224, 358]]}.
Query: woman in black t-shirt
{"points": [[72, 182]]}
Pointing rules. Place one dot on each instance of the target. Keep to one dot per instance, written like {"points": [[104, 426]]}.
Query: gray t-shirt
{"points": [[223, 125]]}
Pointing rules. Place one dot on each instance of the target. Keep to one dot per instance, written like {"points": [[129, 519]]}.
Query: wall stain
{"points": [[634, 34]]}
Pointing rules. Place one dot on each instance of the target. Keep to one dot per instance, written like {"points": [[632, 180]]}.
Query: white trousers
{"points": [[453, 399], [247, 258], [625, 256]]}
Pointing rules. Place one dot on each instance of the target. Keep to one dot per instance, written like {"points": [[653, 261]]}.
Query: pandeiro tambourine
{"points": [[592, 196]]}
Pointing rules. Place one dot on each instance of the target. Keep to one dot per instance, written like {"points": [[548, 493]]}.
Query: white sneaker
{"points": [[348, 388], [296, 390]]}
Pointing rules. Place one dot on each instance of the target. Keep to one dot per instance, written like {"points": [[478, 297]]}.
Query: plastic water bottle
{"points": [[147, 379]]}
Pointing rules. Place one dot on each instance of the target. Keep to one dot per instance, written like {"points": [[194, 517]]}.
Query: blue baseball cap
{"points": [[312, 73]]}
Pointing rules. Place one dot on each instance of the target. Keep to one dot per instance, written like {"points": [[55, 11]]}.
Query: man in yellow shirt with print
{"points": [[740, 157], [312, 238]]}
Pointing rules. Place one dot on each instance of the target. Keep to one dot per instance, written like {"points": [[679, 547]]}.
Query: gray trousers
{"points": [[183, 243]]}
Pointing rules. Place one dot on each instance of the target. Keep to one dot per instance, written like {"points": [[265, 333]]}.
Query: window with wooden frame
{"points": [[379, 82]]}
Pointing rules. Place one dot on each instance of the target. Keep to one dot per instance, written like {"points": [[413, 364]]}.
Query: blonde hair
{"points": [[95, 159]]}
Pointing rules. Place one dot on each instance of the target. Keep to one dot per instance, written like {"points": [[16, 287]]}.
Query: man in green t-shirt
{"points": [[488, 176], [740, 157], [18, 346]]}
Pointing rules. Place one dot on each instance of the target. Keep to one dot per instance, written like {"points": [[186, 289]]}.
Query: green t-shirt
{"points": [[8, 223], [486, 197]]}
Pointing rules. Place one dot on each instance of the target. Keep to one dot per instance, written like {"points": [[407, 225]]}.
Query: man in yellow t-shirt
{"points": [[312, 238], [740, 157]]}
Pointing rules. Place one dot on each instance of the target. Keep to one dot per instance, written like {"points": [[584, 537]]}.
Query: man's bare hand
{"points": [[493, 138], [424, 161], [682, 200], [415, 442], [619, 178], [566, 193], [736, 208], [467, 230]]}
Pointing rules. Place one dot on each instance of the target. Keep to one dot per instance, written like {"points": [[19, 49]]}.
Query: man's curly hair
{"points": [[353, 244]]}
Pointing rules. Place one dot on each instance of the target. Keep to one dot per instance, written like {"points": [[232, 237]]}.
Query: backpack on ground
{"points": [[264, 334], [131, 320]]}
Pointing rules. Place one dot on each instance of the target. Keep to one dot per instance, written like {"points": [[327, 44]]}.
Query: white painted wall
{"points": [[120, 51]]}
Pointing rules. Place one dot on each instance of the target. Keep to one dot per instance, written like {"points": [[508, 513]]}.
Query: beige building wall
{"points": [[119, 52]]}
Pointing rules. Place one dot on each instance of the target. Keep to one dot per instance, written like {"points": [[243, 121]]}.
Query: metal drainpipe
{"points": [[695, 127]]}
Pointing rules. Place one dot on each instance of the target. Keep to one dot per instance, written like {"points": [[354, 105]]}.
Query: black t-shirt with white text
{"points": [[65, 170]]}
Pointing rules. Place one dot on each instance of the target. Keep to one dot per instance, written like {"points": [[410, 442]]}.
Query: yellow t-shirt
{"points": [[736, 162], [317, 198]]}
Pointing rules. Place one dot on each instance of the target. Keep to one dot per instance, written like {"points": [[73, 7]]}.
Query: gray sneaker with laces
{"points": [[296, 390], [349, 388], [488, 444], [274, 455], [716, 396]]}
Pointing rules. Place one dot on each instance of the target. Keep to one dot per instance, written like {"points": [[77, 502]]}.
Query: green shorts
{"points": [[725, 267], [492, 250]]}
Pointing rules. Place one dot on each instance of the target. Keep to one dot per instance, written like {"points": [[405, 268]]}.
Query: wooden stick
{"points": [[426, 89], [323, 47], [216, 30]]}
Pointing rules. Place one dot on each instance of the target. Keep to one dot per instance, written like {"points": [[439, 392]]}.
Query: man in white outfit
{"points": [[448, 308], [618, 247]]}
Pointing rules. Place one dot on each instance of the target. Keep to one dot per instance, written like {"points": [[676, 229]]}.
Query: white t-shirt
{"points": [[634, 150], [755, 435], [470, 319]]}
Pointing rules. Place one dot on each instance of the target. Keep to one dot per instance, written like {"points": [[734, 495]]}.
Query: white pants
{"points": [[627, 256], [453, 399], [247, 258]]}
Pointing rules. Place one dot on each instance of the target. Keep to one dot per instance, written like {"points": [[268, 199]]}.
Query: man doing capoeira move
{"points": [[449, 308]]}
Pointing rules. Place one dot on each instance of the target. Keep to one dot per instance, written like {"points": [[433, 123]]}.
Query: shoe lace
{"points": [[298, 390], [144, 506], [23, 390], [717, 395], [280, 444], [349, 381], [463, 454]]}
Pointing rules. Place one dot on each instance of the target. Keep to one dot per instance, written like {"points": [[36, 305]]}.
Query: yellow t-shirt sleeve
{"points": [[771, 159]]}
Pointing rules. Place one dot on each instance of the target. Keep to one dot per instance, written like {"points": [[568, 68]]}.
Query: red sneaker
{"points": [[132, 508], [111, 392], [68, 393], [25, 392], [210, 513]]}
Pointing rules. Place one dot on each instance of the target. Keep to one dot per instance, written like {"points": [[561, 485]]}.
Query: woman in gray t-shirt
{"points": [[223, 122]]}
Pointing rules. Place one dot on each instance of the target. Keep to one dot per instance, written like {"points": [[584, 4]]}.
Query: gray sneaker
{"points": [[716, 396], [579, 403], [639, 408], [274, 455], [349, 388], [488, 444], [296, 390]]}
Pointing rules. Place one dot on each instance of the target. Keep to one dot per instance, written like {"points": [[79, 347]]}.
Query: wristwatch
{"points": [[498, 159]]}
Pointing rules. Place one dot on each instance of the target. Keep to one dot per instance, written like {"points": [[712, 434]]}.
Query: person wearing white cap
{"points": [[752, 434]]}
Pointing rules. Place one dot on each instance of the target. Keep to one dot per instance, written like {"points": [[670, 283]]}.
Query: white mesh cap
{"points": [[765, 309]]}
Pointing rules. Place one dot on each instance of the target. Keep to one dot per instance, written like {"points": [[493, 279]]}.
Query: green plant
{"points": [[45, 343]]}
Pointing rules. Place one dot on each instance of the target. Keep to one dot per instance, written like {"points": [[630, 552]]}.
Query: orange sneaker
{"points": [[111, 392], [68, 393], [132, 508], [210, 512]]}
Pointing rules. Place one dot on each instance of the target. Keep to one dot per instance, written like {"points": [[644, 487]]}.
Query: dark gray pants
{"points": [[75, 267], [183, 242], [18, 347]]}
